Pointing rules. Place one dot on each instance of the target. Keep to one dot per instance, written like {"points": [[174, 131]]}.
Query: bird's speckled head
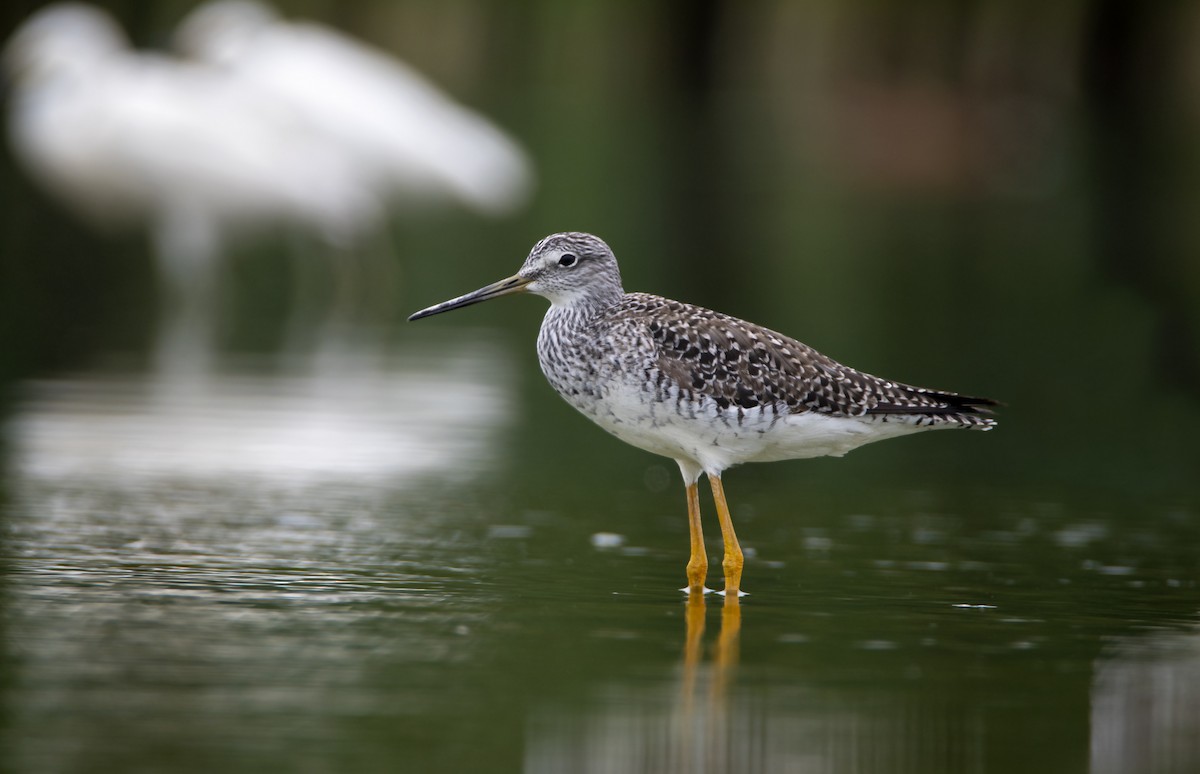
{"points": [[572, 267]]}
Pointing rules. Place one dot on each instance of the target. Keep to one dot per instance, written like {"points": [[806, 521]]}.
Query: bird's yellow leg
{"points": [[697, 566], [732, 564]]}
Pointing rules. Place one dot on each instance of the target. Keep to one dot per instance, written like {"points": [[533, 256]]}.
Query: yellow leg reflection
{"points": [[731, 626], [691, 647], [725, 655], [697, 566], [733, 561]]}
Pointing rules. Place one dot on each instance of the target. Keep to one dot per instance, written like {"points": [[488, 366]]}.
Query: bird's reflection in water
{"points": [[370, 423], [725, 652], [683, 722], [700, 722]]}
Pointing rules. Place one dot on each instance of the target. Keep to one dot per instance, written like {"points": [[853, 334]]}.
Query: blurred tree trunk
{"points": [[1128, 76], [697, 228]]}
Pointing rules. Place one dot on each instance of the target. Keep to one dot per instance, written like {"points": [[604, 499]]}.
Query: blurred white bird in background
{"points": [[127, 137], [275, 124], [414, 142]]}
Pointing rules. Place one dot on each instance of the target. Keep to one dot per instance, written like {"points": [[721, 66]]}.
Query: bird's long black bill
{"points": [[513, 284]]}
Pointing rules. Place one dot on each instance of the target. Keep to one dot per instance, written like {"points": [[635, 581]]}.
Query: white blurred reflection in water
{"points": [[1146, 705], [209, 570], [368, 425]]}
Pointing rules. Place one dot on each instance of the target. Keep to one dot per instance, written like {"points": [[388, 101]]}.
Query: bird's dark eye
{"points": [[567, 259]]}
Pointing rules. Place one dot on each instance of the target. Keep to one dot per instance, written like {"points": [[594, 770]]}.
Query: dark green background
{"points": [[996, 198]]}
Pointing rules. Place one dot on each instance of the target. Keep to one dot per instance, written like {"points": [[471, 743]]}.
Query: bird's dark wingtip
{"points": [[983, 405], [966, 410]]}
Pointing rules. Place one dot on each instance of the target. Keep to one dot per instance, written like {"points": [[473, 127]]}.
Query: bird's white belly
{"points": [[717, 439]]}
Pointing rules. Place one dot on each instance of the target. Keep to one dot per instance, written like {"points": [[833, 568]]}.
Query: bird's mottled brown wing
{"points": [[741, 364]]}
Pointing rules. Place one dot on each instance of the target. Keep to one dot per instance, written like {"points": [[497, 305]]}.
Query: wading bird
{"points": [[708, 390]]}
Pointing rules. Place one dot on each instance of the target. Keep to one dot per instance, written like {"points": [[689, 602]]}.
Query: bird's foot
{"points": [[703, 590]]}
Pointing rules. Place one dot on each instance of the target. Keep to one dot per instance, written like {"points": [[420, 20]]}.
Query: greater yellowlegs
{"points": [[708, 390]]}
